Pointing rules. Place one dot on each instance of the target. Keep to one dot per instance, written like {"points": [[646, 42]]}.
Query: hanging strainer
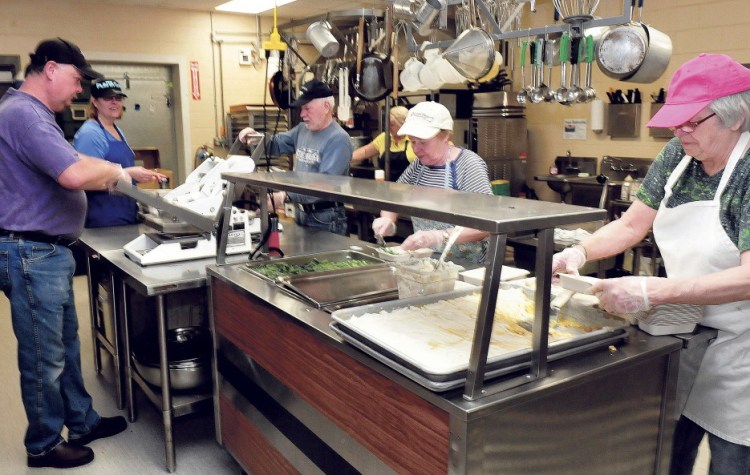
{"points": [[573, 11], [472, 53]]}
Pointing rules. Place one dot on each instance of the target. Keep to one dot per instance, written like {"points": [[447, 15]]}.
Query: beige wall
{"points": [[151, 34], [695, 26], [110, 30]]}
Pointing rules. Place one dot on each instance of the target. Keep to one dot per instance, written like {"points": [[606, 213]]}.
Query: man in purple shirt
{"points": [[42, 183]]}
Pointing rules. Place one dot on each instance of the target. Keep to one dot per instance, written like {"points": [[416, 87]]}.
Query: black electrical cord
{"points": [[264, 239]]}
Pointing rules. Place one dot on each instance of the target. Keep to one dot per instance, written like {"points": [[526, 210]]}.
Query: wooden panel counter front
{"points": [[291, 397], [405, 431]]}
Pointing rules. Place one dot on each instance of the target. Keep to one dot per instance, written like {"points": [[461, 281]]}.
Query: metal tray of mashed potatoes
{"points": [[422, 356], [330, 256]]}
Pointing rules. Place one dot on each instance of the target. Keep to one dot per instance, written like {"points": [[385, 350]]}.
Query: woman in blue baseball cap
{"points": [[100, 137]]}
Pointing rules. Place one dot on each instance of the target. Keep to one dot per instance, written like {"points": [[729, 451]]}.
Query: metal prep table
{"points": [[94, 241], [292, 396], [105, 245]]}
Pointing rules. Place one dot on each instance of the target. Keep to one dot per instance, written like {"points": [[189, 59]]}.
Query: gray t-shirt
{"points": [[327, 151], [33, 154]]}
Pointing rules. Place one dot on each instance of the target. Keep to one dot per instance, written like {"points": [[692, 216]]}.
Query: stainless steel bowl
{"points": [[189, 352]]}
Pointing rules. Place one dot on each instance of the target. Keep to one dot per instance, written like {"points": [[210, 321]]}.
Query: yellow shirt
{"points": [[379, 144]]}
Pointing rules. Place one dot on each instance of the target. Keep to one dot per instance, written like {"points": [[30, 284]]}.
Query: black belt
{"points": [[38, 237], [319, 206]]}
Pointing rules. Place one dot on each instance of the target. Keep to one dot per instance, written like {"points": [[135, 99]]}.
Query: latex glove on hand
{"points": [[383, 226], [626, 295], [432, 238], [568, 261], [246, 135]]}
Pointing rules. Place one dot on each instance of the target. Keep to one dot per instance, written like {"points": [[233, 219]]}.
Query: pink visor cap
{"points": [[696, 84]]}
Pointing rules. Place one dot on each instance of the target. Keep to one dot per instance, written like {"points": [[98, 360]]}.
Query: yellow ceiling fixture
{"points": [[251, 6], [275, 43]]}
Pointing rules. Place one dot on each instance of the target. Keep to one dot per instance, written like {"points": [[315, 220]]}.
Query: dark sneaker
{"points": [[107, 427], [65, 455]]}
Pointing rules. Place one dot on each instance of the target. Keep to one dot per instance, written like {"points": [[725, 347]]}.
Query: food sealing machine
{"points": [[185, 218]]}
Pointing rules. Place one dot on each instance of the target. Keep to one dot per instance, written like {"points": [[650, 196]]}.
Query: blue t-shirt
{"points": [[33, 154], [104, 208], [328, 151]]}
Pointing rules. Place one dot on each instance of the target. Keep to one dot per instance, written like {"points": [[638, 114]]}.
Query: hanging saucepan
{"points": [[372, 79], [634, 52]]}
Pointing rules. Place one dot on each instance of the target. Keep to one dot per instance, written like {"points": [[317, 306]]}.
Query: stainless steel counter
{"points": [[103, 247], [288, 389], [625, 392]]}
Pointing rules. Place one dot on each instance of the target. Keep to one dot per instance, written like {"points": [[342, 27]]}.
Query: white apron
{"points": [[693, 242]]}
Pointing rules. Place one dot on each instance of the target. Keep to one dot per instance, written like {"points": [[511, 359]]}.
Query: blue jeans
{"points": [[37, 278], [727, 458], [331, 219]]}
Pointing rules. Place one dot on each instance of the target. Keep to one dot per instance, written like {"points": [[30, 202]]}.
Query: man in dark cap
{"points": [[42, 183], [319, 145]]}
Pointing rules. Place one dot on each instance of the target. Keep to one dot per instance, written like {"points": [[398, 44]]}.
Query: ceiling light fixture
{"points": [[251, 6]]}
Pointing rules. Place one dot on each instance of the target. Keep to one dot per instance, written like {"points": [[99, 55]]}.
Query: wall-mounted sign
{"points": [[574, 129]]}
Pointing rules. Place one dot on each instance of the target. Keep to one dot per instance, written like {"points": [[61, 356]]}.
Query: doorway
{"points": [[149, 119]]}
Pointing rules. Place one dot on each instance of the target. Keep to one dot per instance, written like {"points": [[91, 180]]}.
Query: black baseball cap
{"points": [[63, 52], [106, 88], [312, 90]]}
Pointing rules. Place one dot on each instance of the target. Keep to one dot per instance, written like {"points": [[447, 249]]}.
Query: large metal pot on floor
{"points": [[189, 352]]}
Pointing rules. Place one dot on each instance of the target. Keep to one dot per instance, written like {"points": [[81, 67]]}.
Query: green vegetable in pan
{"points": [[272, 271]]}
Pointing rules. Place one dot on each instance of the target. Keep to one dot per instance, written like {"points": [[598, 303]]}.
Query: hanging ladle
{"points": [[540, 90], [549, 55], [523, 94], [574, 91], [589, 93], [561, 95]]}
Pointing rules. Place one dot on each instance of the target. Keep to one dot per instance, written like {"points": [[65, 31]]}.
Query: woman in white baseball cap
{"points": [[441, 164]]}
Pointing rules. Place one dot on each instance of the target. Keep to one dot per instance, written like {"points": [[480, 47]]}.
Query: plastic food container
{"points": [[419, 277], [398, 254]]}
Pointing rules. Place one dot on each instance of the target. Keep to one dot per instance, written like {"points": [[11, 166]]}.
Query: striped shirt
{"points": [[468, 172]]}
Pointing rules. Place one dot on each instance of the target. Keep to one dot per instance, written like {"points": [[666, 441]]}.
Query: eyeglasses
{"points": [[691, 126], [112, 98]]}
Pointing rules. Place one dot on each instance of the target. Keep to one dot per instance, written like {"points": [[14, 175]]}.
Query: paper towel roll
{"points": [[597, 115]]}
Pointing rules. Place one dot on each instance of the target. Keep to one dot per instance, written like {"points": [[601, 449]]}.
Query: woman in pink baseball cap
{"points": [[696, 198]]}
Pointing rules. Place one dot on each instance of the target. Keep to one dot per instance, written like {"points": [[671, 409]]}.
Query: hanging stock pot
{"points": [[634, 52]]}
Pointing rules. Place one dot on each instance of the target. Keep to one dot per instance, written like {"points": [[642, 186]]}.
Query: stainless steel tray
{"points": [[451, 375], [331, 256], [344, 287]]}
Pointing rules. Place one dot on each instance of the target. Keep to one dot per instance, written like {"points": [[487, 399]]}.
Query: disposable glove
{"points": [[568, 261], [432, 238], [626, 295], [384, 226], [245, 135]]}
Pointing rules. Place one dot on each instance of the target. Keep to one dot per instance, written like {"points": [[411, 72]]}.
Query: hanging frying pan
{"points": [[372, 79], [279, 90]]}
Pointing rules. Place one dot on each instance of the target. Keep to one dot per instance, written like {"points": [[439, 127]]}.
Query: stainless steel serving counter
{"points": [[292, 397], [605, 411]]}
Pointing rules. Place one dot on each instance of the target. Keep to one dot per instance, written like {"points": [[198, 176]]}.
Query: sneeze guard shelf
{"points": [[497, 215]]}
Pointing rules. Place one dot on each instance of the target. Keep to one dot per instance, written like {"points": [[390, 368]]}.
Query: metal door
{"points": [[149, 119]]}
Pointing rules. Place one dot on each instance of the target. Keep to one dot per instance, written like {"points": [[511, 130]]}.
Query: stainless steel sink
{"points": [[565, 184]]}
